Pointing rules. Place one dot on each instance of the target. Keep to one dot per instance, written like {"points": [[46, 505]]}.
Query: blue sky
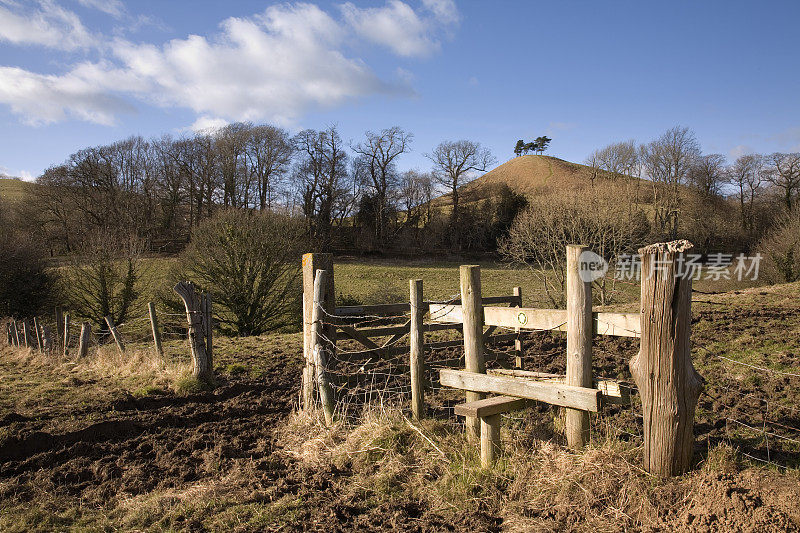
{"points": [[76, 73]]}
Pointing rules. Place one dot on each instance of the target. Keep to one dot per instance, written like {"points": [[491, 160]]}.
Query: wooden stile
{"points": [[554, 393], [668, 384]]}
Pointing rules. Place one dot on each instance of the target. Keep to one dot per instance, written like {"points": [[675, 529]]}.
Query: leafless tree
{"points": [[455, 164], [783, 171], [667, 161], [707, 174], [378, 154], [745, 174], [269, 152]]}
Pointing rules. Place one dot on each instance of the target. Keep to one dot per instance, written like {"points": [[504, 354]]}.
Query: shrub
{"points": [[781, 249], [105, 276], [250, 263]]}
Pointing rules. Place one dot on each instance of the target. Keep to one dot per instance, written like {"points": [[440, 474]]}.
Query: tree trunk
{"points": [[668, 383]]}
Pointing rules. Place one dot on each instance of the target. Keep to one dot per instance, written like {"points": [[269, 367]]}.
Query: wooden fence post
{"points": [[38, 333], [320, 351], [151, 308], [16, 332], [311, 263], [66, 333], [59, 312], [518, 362], [473, 336], [25, 333], [209, 322], [9, 340], [579, 343], [115, 334], [668, 383], [416, 342], [201, 364], [47, 339], [86, 336]]}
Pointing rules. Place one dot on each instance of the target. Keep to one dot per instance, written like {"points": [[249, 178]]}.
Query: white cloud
{"points": [[42, 99], [275, 66], [401, 29], [206, 123], [47, 25], [115, 8], [26, 176]]}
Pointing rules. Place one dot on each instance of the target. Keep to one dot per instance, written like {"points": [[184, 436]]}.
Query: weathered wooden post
{"points": [[209, 322], [16, 333], [473, 338], [47, 339], [151, 308], [9, 339], [201, 364], [59, 312], [416, 342], [518, 362], [86, 337], [115, 334], [320, 353], [66, 333], [668, 383], [25, 333], [579, 343], [38, 333], [311, 263]]}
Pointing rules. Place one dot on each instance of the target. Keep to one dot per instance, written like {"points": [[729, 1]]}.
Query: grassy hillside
{"points": [[13, 190]]}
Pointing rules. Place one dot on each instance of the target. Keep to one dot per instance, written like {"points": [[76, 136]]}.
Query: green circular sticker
{"points": [[522, 318]]}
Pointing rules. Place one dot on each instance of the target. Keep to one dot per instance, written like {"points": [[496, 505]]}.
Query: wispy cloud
{"points": [[115, 8], [276, 65], [47, 24]]}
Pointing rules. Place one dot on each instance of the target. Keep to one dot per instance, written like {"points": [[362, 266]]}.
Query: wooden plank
{"points": [[451, 314], [553, 393], [357, 335], [385, 330], [115, 334], [379, 352], [442, 327], [612, 390], [491, 406], [373, 310], [617, 324], [526, 318]]}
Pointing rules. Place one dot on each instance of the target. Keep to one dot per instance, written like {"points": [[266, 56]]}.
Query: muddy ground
{"points": [[87, 453]]}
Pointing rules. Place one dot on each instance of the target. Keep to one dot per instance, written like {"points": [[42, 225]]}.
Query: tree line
{"points": [[348, 193]]}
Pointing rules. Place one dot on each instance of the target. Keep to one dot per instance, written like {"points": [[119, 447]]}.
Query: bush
{"points": [[26, 286], [781, 249], [250, 263], [105, 276]]}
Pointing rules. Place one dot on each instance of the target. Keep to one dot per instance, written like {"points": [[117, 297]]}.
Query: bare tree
{"points": [[416, 193], [321, 177], [455, 164], [666, 162], [269, 151], [707, 174], [783, 171], [746, 176], [378, 153]]}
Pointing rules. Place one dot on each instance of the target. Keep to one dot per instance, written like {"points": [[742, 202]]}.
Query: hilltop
{"points": [[531, 173]]}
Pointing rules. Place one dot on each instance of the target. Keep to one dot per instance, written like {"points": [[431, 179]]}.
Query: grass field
{"points": [[13, 190]]}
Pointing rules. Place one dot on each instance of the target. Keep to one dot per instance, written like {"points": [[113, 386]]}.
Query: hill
{"points": [[532, 173], [13, 190]]}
